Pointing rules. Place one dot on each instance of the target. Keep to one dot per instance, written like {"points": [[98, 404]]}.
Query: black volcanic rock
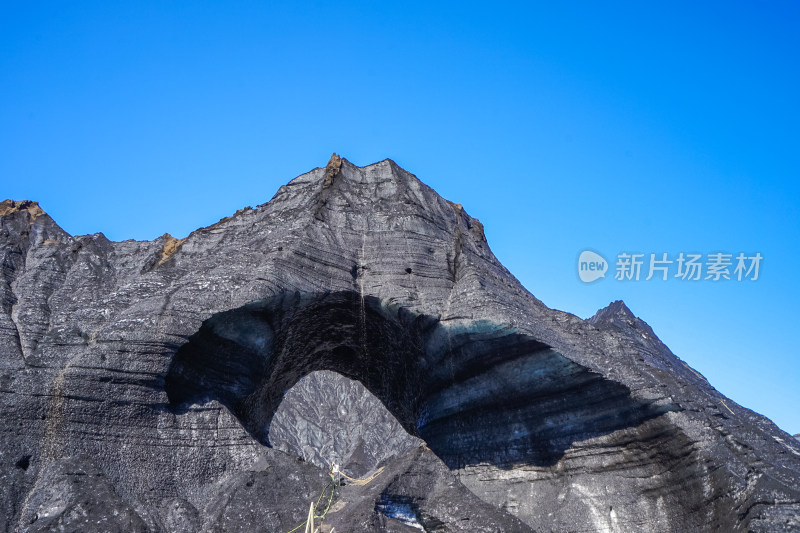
{"points": [[204, 384]]}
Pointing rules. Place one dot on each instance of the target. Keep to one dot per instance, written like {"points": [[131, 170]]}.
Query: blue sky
{"points": [[562, 126]]}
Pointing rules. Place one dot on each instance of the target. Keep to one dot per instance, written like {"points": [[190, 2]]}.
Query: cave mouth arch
{"points": [[477, 393]]}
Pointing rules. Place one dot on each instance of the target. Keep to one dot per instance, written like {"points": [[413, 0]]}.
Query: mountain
{"points": [[358, 318]]}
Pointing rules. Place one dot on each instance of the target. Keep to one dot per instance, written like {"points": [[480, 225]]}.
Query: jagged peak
{"points": [[323, 182], [617, 315], [615, 310], [339, 167], [8, 207], [332, 169]]}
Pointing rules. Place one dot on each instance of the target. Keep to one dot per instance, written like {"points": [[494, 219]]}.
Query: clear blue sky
{"points": [[616, 127]]}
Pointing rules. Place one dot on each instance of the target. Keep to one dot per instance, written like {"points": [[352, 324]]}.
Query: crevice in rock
{"points": [[17, 334]]}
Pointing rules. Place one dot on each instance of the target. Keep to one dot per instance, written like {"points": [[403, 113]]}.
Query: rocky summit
{"points": [[352, 347]]}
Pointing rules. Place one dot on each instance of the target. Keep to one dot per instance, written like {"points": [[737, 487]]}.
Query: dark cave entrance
{"points": [[249, 357], [480, 393]]}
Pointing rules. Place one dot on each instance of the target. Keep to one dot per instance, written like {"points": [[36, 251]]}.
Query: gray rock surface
{"points": [[316, 421], [142, 383]]}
